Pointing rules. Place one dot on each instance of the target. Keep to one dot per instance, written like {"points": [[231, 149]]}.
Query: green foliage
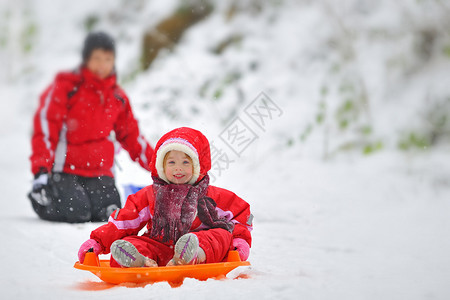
{"points": [[234, 39], [306, 133], [346, 113], [204, 88], [437, 118], [321, 113], [28, 36], [446, 51], [218, 93], [352, 104], [431, 129], [290, 142], [335, 68], [3, 40], [4, 28], [189, 7], [366, 130], [319, 120], [320, 117], [413, 140], [371, 148], [90, 22], [219, 86], [348, 120]]}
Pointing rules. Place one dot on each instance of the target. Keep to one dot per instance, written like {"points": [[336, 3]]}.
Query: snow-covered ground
{"points": [[350, 227]]}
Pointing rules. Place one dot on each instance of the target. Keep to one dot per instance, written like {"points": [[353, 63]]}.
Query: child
{"points": [[188, 221], [78, 118]]}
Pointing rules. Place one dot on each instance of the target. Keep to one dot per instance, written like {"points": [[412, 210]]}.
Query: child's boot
{"points": [[126, 255], [187, 251]]}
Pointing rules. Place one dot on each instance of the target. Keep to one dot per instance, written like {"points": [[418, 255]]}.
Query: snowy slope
{"points": [[352, 227]]}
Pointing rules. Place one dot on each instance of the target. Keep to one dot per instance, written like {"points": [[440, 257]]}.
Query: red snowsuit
{"points": [[73, 125], [139, 211]]}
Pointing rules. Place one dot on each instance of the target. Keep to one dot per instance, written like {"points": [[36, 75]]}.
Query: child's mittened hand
{"points": [[242, 247], [91, 243]]}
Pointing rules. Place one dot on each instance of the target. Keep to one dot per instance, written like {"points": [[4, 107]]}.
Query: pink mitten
{"points": [[242, 247], [91, 243]]}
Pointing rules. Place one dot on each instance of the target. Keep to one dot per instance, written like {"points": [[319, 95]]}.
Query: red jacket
{"points": [[73, 125], [139, 211]]}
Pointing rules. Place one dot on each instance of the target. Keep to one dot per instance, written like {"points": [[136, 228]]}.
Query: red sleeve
{"points": [[232, 207], [47, 124], [128, 135], [127, 221]]}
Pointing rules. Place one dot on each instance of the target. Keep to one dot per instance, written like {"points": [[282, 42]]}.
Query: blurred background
{"points": [[351, 77]]}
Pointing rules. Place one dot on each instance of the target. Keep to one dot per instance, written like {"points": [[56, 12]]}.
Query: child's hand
{"points": [[89, 244], [241, 246]]}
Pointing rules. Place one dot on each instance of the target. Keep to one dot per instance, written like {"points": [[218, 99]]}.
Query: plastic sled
{"points": [[174, 275]]}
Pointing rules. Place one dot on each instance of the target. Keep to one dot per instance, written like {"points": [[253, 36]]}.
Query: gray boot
{"points": [[126, 255], [187, 251]]}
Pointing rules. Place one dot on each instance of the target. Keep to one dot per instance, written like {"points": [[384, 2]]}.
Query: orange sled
{"points": [[173, 274]]}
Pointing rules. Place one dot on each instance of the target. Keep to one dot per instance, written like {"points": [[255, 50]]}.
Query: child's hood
{"points": [[188, 140]]}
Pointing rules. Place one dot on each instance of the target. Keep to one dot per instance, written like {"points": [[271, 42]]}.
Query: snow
{"points": [[346, 227]]}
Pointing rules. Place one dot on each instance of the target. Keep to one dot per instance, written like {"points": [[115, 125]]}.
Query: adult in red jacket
{"points": [[80, 115], [209, 221]]}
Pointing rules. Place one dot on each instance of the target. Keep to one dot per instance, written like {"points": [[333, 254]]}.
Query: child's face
{"points": [[178, 167], [101, 63]]}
